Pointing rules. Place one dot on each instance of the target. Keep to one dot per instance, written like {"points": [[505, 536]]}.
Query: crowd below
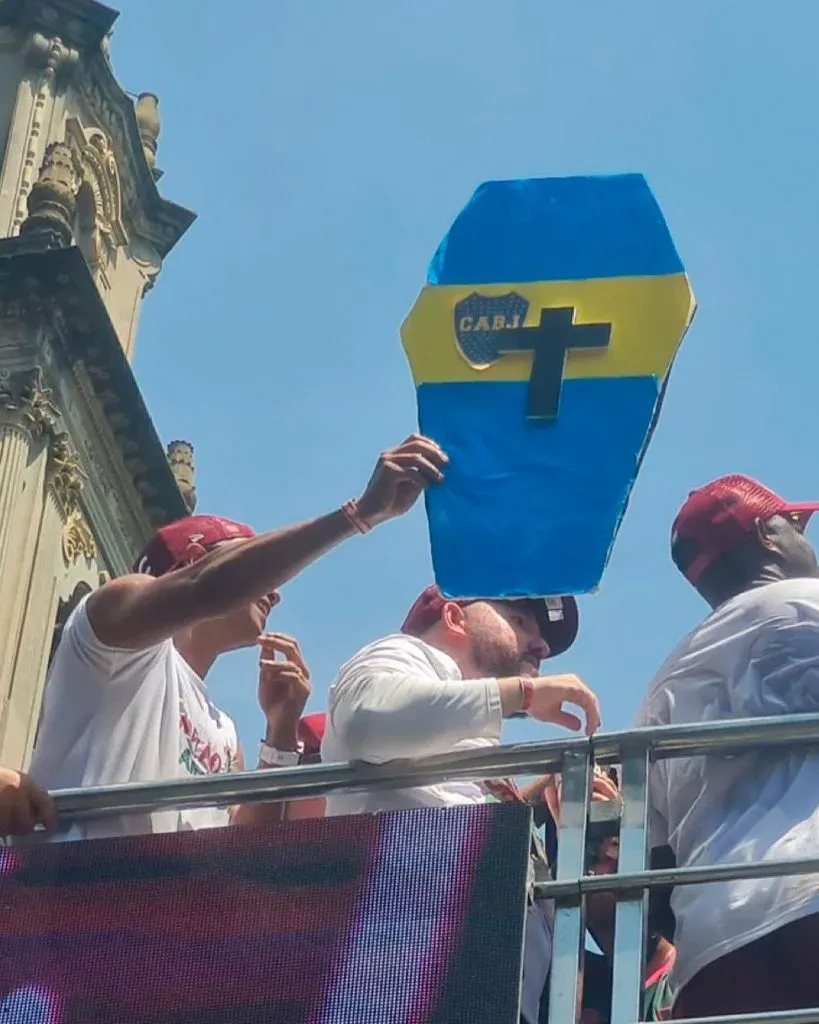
{"points": [[126, 701]]}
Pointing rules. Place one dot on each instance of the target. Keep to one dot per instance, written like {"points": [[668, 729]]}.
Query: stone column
{"points": [[27, 423], [15, 445], [29, 658], [27, 417], [65, 552]]}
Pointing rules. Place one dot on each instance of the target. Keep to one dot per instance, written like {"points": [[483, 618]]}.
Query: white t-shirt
{"points": [[401, 698], [755, 656], [112, 716]]}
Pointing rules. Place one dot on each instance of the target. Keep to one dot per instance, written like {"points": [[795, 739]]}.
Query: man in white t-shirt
{"points": [[745, 946], [126, 699], [447, 682]]}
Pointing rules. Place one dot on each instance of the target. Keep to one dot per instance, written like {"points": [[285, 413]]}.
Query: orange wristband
{"points": [[350, 510], [527, 694]]}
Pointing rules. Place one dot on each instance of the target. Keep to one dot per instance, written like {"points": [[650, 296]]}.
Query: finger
{"points": [[289, 647], [579, 694], [411, 462], [42, 805], [268, 647], [604, 789], [420, 443], [567, 720], [282, 672], [423, 447]]}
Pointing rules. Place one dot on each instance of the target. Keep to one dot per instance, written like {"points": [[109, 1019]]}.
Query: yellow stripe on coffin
{"points": [[648, 317]]}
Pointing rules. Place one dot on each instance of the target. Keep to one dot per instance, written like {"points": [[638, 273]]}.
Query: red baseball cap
{"points": [[720, 516], [167, 548], [557, 617], [311, 732]]}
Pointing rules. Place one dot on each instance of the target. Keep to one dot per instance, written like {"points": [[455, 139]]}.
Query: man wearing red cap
{"points": [[445, 683], [126, 699], [744, 946]]}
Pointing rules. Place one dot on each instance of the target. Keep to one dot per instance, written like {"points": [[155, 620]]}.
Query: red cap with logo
{"points": [[311, 732], [167, 548], [557, 617], [720, 517]]}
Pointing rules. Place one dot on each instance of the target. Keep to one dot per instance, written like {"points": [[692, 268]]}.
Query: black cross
{"points": [[554, 336]]}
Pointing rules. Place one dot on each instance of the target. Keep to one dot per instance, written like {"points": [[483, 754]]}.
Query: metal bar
{"points": [[570, 929], [630, 913], [511, 759], [808, 1016], [677, 876], [729, 737]]}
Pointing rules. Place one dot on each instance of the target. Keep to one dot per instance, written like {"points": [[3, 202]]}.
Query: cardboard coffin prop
{"points": [[540, 348]]}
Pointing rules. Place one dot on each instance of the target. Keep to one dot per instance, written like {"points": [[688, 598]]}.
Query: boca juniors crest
{"points": [[540, 349], [479, 319]]}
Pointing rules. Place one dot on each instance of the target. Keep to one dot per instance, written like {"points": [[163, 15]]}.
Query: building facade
{"points": [[84, 477]]}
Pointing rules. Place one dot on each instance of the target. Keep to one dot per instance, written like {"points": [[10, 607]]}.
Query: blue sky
{"points": [[327, 146]]}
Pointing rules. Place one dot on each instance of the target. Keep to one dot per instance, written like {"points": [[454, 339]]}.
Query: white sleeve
{"points": [[80, 638], [389, 704], [96, 660]]}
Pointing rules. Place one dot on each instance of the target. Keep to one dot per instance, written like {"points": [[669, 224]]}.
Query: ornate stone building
{"points": [[84, 478]]}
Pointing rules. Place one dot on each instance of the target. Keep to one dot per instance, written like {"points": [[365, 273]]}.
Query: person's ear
{"points": [[765, 534], [193, 552], [454, 617]]}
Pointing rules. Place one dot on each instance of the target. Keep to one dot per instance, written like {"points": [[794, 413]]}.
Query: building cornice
{"points": [[83, 26], [53, 288]]}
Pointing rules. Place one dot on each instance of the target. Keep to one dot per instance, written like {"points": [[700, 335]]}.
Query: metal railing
{"points": [[574, 758]]}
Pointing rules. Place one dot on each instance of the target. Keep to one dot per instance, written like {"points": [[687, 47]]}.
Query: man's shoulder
{"points": [[776, 599], [650, 712], [725, 636], [399, 652], [79, 640]]}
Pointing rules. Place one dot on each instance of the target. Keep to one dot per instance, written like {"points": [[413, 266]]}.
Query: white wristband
{"points": [[272, 758]]}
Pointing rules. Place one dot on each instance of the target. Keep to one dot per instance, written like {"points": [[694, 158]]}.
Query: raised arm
{"points": [[134, 612]]}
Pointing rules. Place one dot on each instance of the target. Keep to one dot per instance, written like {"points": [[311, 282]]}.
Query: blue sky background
{"points": [[327, 146]]}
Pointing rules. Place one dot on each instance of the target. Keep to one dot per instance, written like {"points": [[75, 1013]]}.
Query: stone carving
{"points": [[99, 195], [52, 55], [56, 61], [147, 115], [101, 95], [106, 113], [65, 475], [24, 397], [52, 202], [78, 540], [79, 194], [180, 456]]}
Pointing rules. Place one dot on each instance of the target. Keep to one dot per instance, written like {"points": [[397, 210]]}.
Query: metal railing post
{"points": [[630, 916], [570, 928]]}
